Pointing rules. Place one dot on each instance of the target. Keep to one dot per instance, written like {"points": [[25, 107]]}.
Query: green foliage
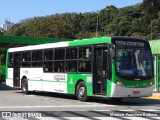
{"points": [[137, 35], [2, 56], [151, 7], [134, 21], [1, 33]]}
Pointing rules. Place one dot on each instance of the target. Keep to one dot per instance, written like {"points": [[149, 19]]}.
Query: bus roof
{"points": [[80, 42], [88, 41]]}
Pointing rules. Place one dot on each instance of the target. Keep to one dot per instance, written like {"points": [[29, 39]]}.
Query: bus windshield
{"points": [[134, 63]]}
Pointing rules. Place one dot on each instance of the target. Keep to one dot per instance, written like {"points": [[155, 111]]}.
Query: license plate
{"points": [[136, 92]]}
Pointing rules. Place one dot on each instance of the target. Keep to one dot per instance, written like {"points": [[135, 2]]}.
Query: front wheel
{"points": [[81, 91], [24, 86]]}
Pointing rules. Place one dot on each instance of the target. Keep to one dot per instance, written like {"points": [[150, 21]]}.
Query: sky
{"points": [[17, 10]]}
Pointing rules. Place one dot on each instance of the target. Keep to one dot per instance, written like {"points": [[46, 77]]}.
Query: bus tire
{"points": [[81, 92], [24, 86]]}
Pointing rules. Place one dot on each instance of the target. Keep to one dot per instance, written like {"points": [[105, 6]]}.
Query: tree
{"points": [[128, 21], [1, 33], [2, 56], [138, 35], [151, 7]]}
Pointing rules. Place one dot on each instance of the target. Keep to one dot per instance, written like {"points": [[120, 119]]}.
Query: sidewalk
{"points": [[155, 95]]}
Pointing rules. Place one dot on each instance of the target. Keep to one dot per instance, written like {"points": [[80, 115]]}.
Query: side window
{"points": [[59, 54], [48, 66], [71, 60], [84, 63], [59, 60], [37, 58], [48, 54], [48, 61], [58, 66], [10, 62], [36, 55], [85, 53], [71, 53], [26, 59]]}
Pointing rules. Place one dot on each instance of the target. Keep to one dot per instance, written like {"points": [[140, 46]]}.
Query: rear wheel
{"points": [[81, 91], [24, 86]]}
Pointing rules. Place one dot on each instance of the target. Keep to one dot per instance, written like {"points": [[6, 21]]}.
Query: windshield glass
{"points": [[134, 63]]}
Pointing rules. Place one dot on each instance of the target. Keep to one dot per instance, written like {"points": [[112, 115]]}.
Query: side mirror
{"points": [[112, 51], [153, 57]]}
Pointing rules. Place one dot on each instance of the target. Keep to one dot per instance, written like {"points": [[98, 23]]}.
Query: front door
{"points": [[100, 71], [16, 71]]}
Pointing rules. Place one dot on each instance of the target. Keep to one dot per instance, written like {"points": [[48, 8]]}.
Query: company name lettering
{"points": [[59, 77]]}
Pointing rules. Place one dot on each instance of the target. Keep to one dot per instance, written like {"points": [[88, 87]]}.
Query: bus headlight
{"points": [[151, 83], [119, 83]]}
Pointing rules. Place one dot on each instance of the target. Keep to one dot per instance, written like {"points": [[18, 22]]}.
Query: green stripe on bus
{"points": [[48, 81], [90, 41], [9, 79]]}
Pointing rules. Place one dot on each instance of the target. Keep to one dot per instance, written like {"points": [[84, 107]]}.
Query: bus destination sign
{"points": [[129, 43]]}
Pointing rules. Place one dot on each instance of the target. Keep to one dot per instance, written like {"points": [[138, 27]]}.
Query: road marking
{"points": [[127, 110], [92, 116], [103, 110], [57, 106], [152, 110], [136, 118], [77, 118], [158, 118], [107, 118], [48, 118]]}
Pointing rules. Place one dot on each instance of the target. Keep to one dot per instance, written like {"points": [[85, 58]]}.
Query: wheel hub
{"points": [[24, 87], [82, 91]]}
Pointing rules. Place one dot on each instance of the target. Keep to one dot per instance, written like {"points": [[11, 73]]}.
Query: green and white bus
{"points": [[115, 67]]}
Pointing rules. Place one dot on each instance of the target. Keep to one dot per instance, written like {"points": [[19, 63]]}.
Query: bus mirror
{"points": [[153, 57], [112, 51], [113, 54]]}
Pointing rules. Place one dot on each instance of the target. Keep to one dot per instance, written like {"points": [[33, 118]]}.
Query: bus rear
{"points": [[133, 68]]}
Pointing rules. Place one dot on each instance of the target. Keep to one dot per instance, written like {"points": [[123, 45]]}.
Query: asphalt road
{"points": [[62, 105]]}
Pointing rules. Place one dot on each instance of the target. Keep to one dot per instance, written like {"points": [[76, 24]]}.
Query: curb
{"points": [[154, 97]]}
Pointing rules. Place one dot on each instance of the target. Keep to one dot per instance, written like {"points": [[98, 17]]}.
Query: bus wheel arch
{"points": [[81, 90], [24, 85], [23, 78]]}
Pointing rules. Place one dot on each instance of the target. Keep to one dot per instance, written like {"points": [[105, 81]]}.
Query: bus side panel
{"points": [[55, 82], [110, 87], [7, 61], [9, 80], [34, 77], [74, 78]]}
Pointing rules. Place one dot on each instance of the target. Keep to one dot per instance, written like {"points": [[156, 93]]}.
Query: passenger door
{"points": [[100, 70], [16, 70]]}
